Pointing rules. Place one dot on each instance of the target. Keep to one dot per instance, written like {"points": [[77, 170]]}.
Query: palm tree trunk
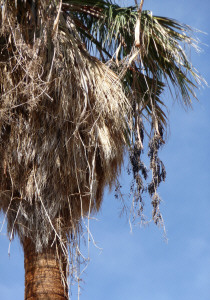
{"points": [[43, 279]]}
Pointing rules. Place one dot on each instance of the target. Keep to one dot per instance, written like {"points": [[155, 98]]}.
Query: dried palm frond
{"points": [[158, 61], [63, 118]]}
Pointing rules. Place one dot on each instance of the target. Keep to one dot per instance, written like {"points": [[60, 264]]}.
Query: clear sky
{"points": [[141, 265]]}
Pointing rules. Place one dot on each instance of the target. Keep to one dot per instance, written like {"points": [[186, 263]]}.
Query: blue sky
{"points": [[141, 265]]}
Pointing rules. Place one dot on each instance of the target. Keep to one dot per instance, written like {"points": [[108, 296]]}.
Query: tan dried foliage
{"points": [[63, 115]]}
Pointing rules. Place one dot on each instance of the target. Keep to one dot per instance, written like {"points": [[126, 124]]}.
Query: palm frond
{"points": [[111, 32], [75, 91], [62, 124]]}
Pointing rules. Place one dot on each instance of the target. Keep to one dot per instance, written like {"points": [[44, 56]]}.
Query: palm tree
{"points": [[80, 81]]}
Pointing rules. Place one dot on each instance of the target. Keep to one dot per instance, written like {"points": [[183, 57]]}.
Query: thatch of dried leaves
{"points": [[63, 117]]}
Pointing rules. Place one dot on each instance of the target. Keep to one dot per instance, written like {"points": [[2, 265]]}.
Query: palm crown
{"points": [[78, 82]]}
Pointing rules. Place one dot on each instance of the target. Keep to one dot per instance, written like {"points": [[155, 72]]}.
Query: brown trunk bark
{"points": [[43, 279]]}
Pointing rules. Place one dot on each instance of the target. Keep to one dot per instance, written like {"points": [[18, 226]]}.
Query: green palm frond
{"points": [[108, 29]]}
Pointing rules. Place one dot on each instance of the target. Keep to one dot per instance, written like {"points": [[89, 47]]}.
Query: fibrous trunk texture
{"points": [[45, 274]]}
